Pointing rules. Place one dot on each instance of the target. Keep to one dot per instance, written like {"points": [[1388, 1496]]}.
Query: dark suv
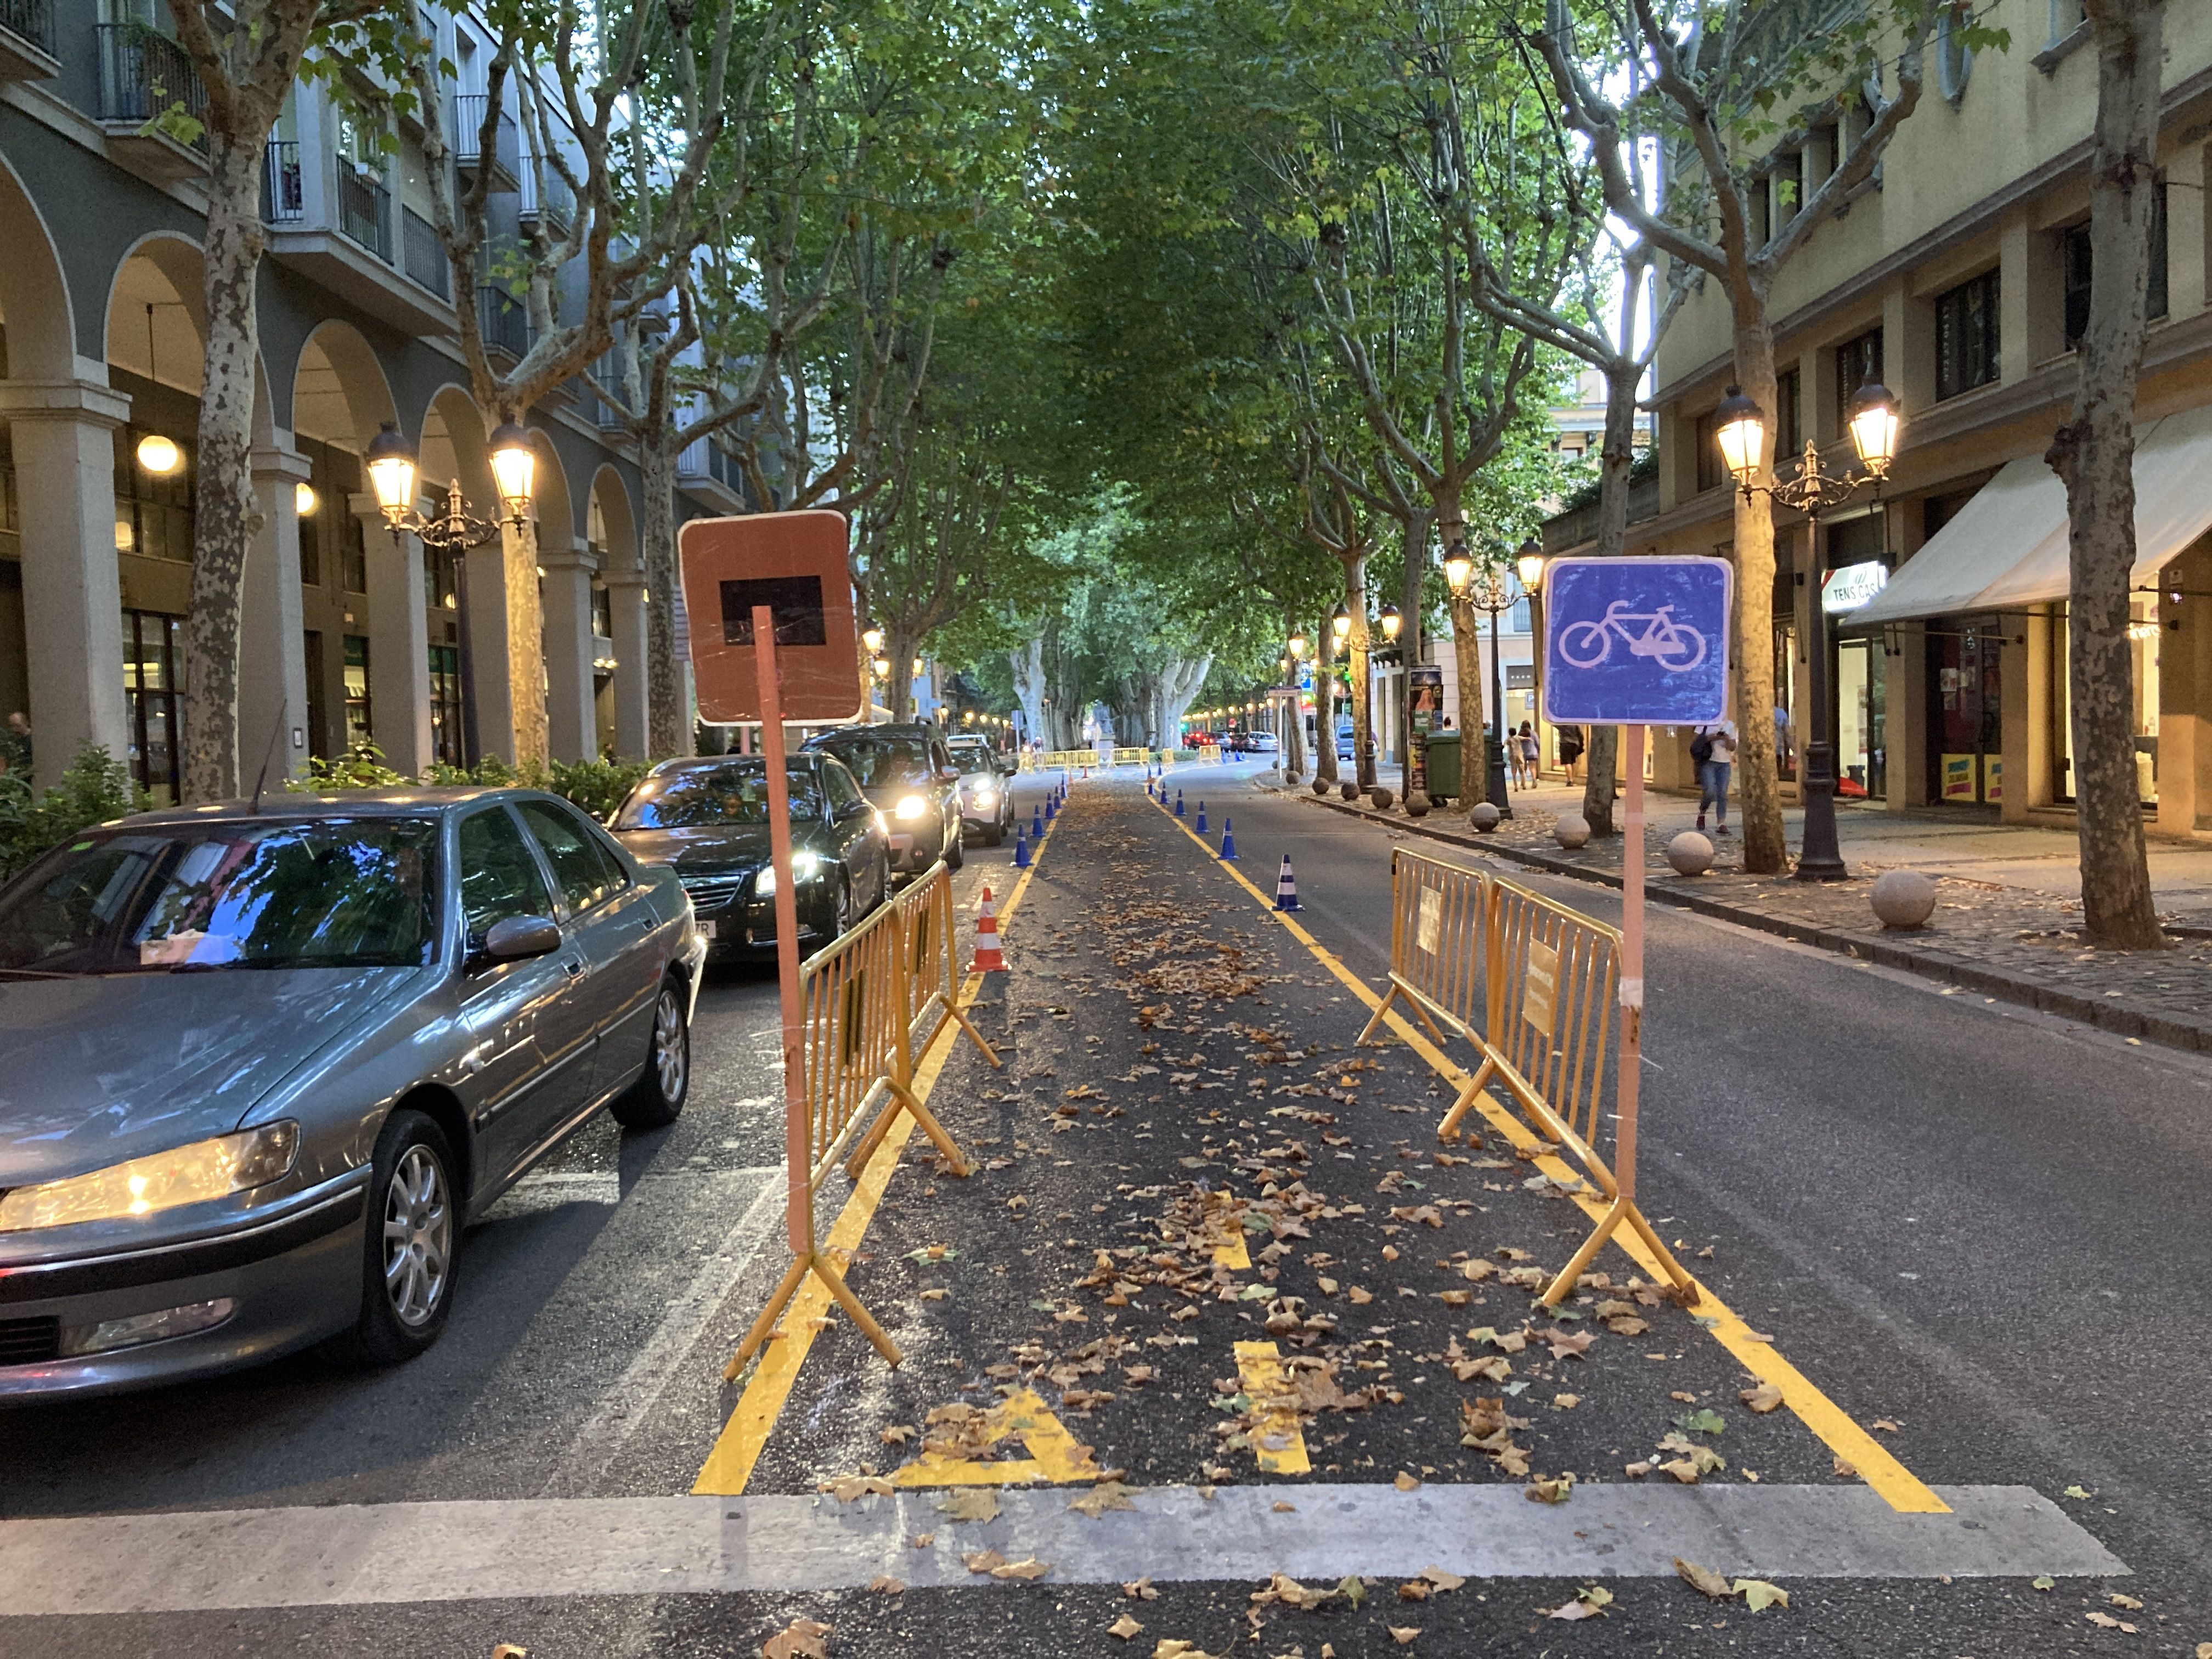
{"points": [[907, 773]]}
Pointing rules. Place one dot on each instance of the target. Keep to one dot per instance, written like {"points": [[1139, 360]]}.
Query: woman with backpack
{"points": [[1712, 751]]}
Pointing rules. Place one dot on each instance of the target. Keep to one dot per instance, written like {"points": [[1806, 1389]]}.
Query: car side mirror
{"points": [[513, 937], [851, 809], [948, 774]]}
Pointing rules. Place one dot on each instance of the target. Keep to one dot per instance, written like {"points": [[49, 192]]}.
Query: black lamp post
{"points": [[1740, 431]]}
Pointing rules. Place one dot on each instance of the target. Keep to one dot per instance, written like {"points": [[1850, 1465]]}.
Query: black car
{"points": [[707, 820], [907, 774]]}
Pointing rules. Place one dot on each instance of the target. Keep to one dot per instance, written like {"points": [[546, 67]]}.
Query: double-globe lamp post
{"points": [[1741, 430], [453, 531]]}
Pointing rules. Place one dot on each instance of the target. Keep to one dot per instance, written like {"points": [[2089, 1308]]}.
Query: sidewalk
{"points": [[2007, 917]]}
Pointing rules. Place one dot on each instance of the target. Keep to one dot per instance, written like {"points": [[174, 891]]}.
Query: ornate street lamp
{"points": [[1391, 622], [1740, 428], [873, 637], [392, 476], [1490, 592], [1528, 566]]}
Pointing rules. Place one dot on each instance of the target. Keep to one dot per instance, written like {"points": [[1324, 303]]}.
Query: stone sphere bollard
{"points": [[1417, 803], [1350, 791], [1690, 853], [1483, 815], [1321, 786], [1572, 830], [1381, 798], [1904, 898]]}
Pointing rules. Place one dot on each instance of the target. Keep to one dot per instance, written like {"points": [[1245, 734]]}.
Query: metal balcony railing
{"points": [[559, 207], [468, 135], [505, 322], [32, 20], [283, 196], [143, 75], [422, 256], [365, 209]]}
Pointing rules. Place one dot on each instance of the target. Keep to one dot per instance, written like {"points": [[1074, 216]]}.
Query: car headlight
{"points": [[911, 807], [804, 867], [983, 795], [190, 1175]]}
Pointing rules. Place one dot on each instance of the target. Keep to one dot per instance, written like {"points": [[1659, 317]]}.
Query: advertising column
{"points": [[1424, 702]]}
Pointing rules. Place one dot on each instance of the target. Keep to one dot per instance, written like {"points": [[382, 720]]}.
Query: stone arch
{"points": [[35, 306], [340, 393], [554, 505], [450, 446], [614, 518], [162, 270]]}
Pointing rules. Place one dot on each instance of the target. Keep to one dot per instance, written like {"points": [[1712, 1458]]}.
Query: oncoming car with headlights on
{"points": [[987, 805], [707, 820], [908, 775], [259, 1068]]}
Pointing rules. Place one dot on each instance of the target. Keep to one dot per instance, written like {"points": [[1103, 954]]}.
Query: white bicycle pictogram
{"points": [[1676, 648]]}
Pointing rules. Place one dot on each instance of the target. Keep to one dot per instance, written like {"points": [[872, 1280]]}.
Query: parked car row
{"points": [[261, 1063]]}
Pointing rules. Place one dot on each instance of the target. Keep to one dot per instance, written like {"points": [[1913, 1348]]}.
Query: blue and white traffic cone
{"points": [[1228, 841], [1286, 887], [1036, 822], [1051, 808], [1178, 803], [1021, 849], [1201, 817]]}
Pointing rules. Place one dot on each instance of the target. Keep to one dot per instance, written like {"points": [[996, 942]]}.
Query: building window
{"points": [[438, 580], [603, 613], [153, 514], [1789, 414], [1858, 362], [153, 684], [11, 518], [1954, 59], [1966, 336], [446, 704], [2066, 16], [356, 690], [2076, 263], [2144, 637], [1710, 474], [318, 742], [330, 537]]}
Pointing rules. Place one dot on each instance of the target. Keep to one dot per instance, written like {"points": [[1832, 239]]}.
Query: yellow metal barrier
{"points": [[873, 1002], [1548, 979]]}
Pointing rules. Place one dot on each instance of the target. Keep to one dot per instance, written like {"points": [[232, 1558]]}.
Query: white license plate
{"points": [[706, 930]]}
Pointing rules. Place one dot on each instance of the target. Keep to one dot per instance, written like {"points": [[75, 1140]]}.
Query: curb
{"points": [[2120, 1017]]}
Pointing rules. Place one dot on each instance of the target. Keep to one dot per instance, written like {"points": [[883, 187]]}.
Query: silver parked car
{"points": [[987, 804], [258, 1069]]}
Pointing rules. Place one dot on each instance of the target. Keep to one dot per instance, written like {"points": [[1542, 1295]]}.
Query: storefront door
{"points": [[1966, 716], [1861, 720]]}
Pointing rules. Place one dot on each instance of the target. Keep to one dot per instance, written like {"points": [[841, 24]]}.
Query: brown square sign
{"points": [[794, 563]]}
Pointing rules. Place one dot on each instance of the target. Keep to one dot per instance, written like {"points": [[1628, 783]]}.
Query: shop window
{"points": [[1785, 692], [152, 689], [446, 704], [1858, 362], [1861, 723], [356, 690], [2143, 640], [1966, 341], [438, 581], [1965, 753], [2076, 264], [153, 512]]}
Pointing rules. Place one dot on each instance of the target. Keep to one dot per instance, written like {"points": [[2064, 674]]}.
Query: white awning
{"points": [[2008, 546]]}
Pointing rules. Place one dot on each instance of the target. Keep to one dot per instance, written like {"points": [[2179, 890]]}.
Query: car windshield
{"points": [[322, 893], [970, 754], [876, 761], [734, 792]]}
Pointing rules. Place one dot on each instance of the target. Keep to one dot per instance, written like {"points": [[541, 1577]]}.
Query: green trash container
{"points": [[1443, 766]]}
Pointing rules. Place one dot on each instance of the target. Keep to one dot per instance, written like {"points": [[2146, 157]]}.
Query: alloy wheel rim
{"points": [[668, 1056], [418, 1238]]}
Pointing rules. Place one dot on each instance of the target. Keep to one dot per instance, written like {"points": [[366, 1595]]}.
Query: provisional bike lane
{"points": [[1215, 1306]]}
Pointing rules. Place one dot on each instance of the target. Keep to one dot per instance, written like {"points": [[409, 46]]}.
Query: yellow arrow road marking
{"points": [[1055, 1455], [1279, 1443], [1897, 1485]]}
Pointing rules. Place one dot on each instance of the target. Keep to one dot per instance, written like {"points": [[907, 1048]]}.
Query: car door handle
{"points": [[575, 969]]}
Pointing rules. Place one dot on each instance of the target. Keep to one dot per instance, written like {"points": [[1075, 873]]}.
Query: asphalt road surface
{"points": [[1978, 1234]]}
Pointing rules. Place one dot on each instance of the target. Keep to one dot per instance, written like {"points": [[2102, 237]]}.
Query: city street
{"points": [[1216, 1285]]}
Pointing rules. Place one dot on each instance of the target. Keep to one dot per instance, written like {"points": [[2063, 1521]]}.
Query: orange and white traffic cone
{"points": [[987, 959]]}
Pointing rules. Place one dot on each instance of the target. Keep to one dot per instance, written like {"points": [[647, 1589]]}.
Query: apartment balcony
{"points": [[27, 40], [504, 320], [708, 473], [609, 373], [337, 224], [505, 159], [152, 105], [557, 212]]}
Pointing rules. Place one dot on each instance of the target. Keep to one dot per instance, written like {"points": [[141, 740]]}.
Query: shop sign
{"points": [[1849, 588], [1520, 676]]}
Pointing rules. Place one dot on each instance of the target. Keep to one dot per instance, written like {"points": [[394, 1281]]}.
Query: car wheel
{"points": [[412, 1239], [994, 835], [845, 915], [882, 881], [954, 852], [656, 1098]]}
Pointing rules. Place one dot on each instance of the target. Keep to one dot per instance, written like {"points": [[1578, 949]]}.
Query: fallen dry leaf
{"points": [[887, 1584], [1106, 1495], [799, 1639], [1404, 1634], [1028, 1567], [897, 1435], [1575, 1609], [1176, 1650], [1140, 1590], [983, 1560], [1759, 1594], [1406, 1482], [935, 1296], [1124, 1627], [508, 1650], [1440, 1579], [1286, 1508], [1551, 1491], [1703, 1579], [2127, 1601], [848, 1487], [1763, 1398], [970, 1503], [922, 1540], [1885, 1424], [1845, 1469], [2106, 1621]]}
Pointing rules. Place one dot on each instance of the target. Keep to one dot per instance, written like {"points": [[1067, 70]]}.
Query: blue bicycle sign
{"points": [[1636, 642]]}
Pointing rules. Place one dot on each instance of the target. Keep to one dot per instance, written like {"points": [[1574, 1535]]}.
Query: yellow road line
{"points": [[1897, 1486], [1279, 1443], [1055, 1455], [745, 1435]]}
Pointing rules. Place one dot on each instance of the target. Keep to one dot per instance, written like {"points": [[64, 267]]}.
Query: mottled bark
{"points": [[1474, 730], [228, 513], [1764, 850], [899, 695], [2094, 453], [524, 644], [1363, 730], [668, 726], [1325, 705]]}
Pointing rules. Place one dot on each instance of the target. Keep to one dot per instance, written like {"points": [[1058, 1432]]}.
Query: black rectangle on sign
{"points": [[795, 602]]}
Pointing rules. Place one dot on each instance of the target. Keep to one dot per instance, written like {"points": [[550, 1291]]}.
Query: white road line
{"points": [[634, 1395], [443, 1552]]}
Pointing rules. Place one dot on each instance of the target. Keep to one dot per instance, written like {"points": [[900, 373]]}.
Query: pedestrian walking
{"points": [[1712, 751], [1571, 750], [1517, 756], [1531, 756]]}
